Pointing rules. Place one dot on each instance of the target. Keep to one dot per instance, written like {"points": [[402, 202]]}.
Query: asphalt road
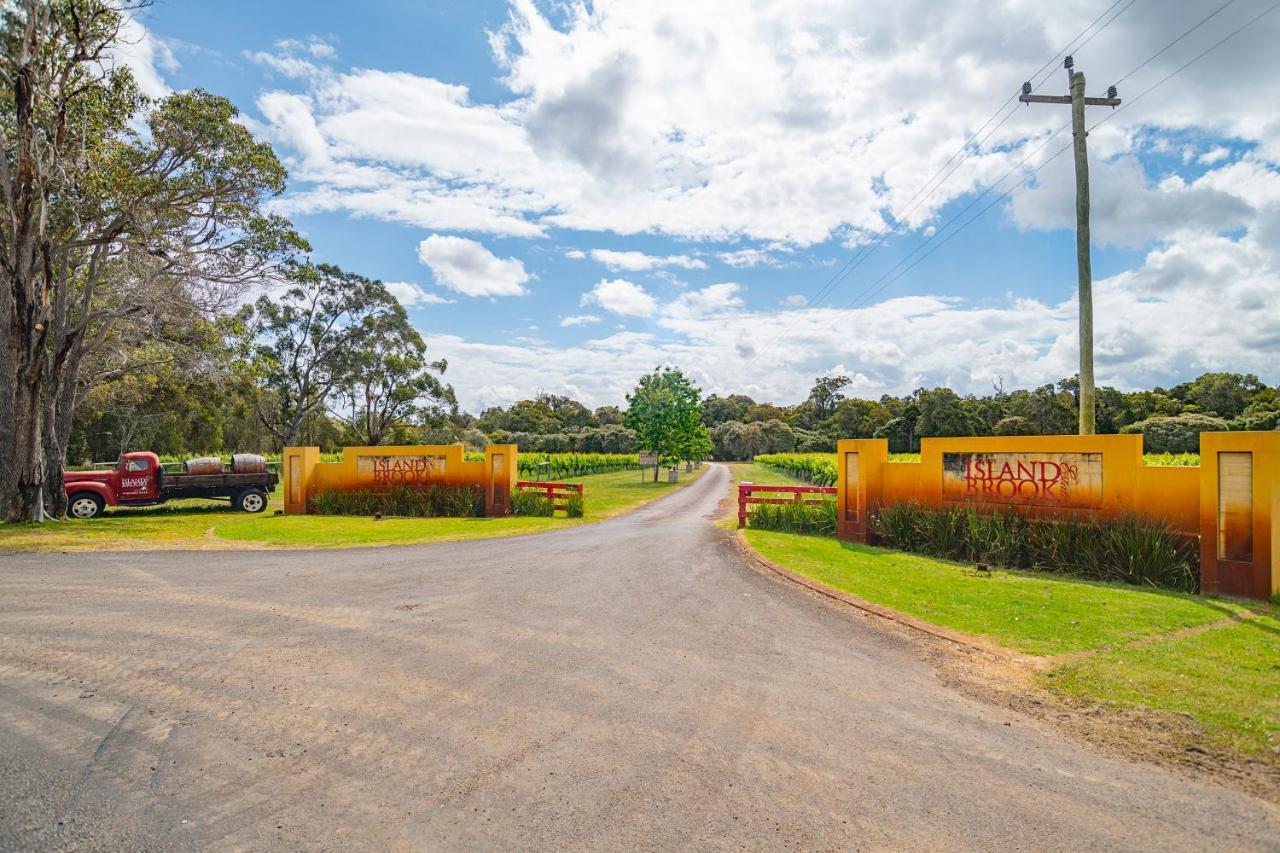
{"points": [[632, 684]]}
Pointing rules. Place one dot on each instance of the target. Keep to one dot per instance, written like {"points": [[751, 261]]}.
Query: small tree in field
{"points": [[665, 411]]}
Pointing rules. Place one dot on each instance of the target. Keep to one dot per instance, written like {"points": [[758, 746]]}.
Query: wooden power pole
{"points": [[1084, 266]]}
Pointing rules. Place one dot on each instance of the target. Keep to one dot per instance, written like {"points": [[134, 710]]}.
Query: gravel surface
{"points": [[630, 684]]}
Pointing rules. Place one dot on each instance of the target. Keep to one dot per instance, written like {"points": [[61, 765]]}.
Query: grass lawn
{"points": [[1035, 613], [210, 524], [761, 475], [1228, 679]]}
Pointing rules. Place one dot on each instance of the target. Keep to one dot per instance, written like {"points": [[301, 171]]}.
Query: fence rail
{"points": [[553, 491], [797, 495]]}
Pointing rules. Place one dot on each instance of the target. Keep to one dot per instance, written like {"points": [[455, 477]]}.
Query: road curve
{"points": [[630, 684]]}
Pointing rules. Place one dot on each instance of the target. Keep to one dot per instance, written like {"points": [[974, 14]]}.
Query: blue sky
{"points": [[565, 196]]}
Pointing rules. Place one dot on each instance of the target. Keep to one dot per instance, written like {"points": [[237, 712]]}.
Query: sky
{"points": [[566, 195]]}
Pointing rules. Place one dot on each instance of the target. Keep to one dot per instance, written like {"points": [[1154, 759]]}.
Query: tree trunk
{"points": [[26, 502], [59, 414]]}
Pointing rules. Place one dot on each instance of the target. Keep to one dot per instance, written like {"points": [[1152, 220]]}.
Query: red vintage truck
{"points": [[140, 480]]}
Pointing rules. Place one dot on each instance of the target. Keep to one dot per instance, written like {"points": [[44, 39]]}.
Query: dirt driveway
{"points": [[628, 684]]}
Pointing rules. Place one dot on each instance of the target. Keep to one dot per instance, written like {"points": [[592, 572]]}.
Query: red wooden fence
{"points": [[554, 491], [797, 495]]}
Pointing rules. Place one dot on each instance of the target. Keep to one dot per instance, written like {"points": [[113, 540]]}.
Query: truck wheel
{"points": [[85, 505], [251, 500]]}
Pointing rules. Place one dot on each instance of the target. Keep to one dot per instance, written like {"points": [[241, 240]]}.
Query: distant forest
{"points": [[184, 413]]}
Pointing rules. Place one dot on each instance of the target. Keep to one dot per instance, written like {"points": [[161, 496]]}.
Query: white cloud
{"points": [[749, 258], [790, 122], [146, 55], [1152, 328], [713, 299], [1214, 155], [639, 261], [795, 300], [467, 267], [410, 294], [622, 297], [580, 320]]}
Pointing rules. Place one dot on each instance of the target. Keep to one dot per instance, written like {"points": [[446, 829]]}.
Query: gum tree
{"points": [[117, 212]]}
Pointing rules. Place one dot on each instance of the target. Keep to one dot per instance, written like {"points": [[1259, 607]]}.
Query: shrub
{"points": [[575, 506], [429, 501], [795, 517], [1177, 434], [1130, 549], [531, 504]]}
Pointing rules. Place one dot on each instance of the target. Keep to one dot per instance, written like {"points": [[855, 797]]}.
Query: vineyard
{"points": [[820, 468], [552, 467]]}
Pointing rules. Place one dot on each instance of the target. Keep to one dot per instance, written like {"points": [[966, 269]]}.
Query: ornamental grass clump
{"points": [[531, 504], [795, 517], [429, 501], [1129, 549]]}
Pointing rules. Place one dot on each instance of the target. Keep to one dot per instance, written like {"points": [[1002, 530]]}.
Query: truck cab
{"points": [[134, 480]]}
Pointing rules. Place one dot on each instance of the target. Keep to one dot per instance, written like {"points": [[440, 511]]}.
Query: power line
{"points": [[1129, 102], [1153, 56], [867, 249]]}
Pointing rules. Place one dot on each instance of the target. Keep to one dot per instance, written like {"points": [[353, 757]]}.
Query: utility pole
{"points": [[1084, 266]]}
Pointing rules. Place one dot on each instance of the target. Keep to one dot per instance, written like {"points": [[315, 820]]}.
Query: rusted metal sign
{"points": [[648, 460], [1067, 480]]}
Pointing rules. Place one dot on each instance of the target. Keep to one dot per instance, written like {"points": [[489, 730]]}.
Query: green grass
{"points": [[1227, 679], [210, 524], [1033, 613], [761, 475]]}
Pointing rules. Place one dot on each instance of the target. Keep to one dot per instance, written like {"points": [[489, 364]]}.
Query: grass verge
{"points": [[212, 525], [1223, 675]]}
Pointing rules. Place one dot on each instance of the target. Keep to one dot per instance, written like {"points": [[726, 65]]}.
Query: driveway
{"points": [[631, 684]]}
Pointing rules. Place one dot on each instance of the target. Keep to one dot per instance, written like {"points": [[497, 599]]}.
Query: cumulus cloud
{"points": [[467, 267], [790, 122], [639, 261], [145, 54], [580, 320], [621, 297], [410, 294]]}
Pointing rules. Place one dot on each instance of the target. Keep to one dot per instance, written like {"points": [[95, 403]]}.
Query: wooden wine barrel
{"points": [[204, 465], [248, 463]]}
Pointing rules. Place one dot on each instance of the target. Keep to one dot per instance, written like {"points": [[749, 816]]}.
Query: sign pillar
{"points": [[859, 463], [1240, 513], [500, 478], [297, 466]]}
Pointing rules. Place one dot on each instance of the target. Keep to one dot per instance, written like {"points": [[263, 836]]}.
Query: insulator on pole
{"points": [[1067, 63], [1112, 93], [1026, 88]]}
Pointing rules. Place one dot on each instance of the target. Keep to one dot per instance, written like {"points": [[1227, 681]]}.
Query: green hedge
{"points": [[431, 501], [1130, 549]]}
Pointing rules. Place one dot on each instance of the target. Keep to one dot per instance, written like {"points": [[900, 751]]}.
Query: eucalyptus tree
{"points": [[117, 211], [389, 378]]}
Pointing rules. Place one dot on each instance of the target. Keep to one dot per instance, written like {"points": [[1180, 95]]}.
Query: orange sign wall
{"points": [[386, 467], [1231, 502]]}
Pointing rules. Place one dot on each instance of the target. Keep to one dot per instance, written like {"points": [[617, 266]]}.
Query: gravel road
{"points": [[630, 684]]}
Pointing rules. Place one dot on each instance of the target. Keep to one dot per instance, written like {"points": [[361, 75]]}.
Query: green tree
{"points": [[388, 377], [309, 343], [665, 412], [826, 394], [105, 222]]}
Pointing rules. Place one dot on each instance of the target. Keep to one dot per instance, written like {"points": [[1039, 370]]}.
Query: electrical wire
{"points": [[1128, 103], [920, 195]]}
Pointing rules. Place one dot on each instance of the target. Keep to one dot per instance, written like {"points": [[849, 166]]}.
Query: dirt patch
{"points": [[1174, 741]]}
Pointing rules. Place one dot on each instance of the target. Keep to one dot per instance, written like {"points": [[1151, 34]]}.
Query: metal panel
{"points": [[1235, 506]]}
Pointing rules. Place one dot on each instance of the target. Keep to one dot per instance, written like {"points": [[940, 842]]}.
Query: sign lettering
{"points": [[390, 470], [1069, 480]]}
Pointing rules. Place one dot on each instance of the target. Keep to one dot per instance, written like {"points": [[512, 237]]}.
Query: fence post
{"points": [[743, 490]]}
